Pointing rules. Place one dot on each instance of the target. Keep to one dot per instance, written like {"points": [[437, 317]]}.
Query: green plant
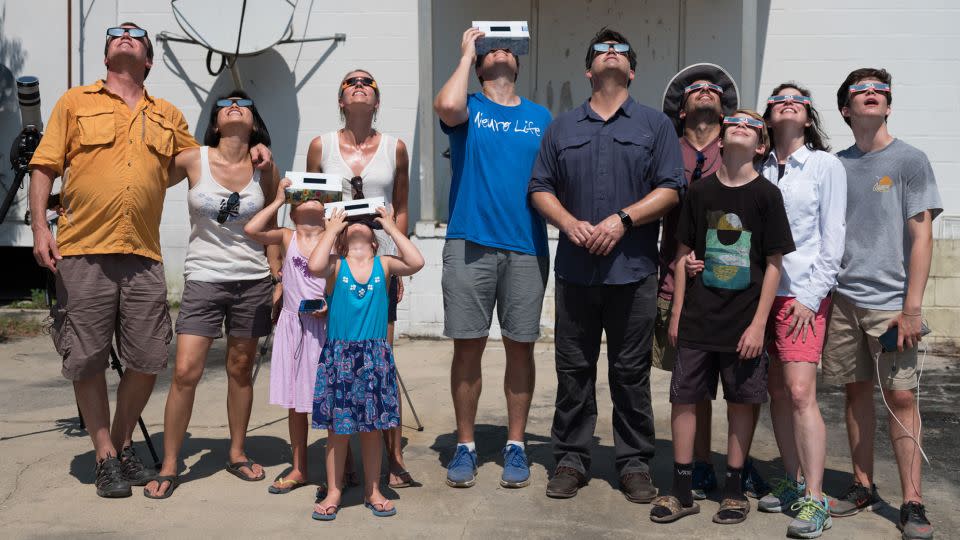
{"points": [[16, 327]]}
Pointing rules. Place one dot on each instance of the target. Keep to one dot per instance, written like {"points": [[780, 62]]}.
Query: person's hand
{"points": [[801, 318], [386, 220], [751, 342], [283, 185], [337, 221], [277, 302], [261, 156], [606, 235], [908, 333], [45, 248], [693, 265], [399, 289], [673, 329], [578, 231], [319, 313], [468, 46]]}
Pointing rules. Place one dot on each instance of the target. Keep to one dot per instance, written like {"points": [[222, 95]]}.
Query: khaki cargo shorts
{"points": [[851, 346], [102, 296]]}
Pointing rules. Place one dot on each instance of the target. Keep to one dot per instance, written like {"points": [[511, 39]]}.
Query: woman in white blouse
{"points": [[813, 184]]}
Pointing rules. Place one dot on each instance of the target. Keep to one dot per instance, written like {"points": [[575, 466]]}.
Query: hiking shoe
{"points": [[462, 470], [704, 480], [110, 482], [566, 482], [754, 485], [637, 487], [913, 523], [812, 518], [784, 493], [516, 472], [855, 499], [133, 469]]}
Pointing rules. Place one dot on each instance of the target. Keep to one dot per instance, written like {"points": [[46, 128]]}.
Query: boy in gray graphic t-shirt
{"points": [[892, 200]]}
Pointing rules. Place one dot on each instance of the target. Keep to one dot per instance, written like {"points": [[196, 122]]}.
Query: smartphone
{"points": [[309, 306], [888, 340]]}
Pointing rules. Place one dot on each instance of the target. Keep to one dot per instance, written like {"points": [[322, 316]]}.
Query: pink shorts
{"points": [[783, 346]]}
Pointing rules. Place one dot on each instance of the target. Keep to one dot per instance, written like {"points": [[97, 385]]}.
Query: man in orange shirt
{"points": [[117, 143]]}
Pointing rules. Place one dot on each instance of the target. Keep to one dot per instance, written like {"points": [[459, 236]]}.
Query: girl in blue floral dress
{"points": [[356, 388]]}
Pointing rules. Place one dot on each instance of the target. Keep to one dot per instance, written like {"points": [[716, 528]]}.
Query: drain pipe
{"points": [[69, 44]]}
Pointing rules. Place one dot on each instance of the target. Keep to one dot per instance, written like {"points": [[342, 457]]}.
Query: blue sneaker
{"points": [[462, 469], [785, 492], [704, 480], [516, 472], [812, 518], [754, 486]]}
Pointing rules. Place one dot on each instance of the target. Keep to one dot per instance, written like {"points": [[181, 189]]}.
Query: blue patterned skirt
{"points": [[356, 387]]}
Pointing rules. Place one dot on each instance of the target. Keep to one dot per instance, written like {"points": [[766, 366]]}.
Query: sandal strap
{"points": [[669, 502], [735, 505]]}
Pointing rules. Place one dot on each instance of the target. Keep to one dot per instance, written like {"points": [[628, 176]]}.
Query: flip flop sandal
{"points": [[406, 480], [676, 509], [234, 469], [732, 511], [293, 484], [174, 482], [327, 515], [380, 513]]}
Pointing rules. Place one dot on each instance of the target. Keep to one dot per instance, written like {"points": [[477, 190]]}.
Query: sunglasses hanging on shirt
{"points": [[229, 207]]}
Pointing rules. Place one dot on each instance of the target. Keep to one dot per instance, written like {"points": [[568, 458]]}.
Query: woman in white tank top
{"points": [[226, 279], [378, 165]]}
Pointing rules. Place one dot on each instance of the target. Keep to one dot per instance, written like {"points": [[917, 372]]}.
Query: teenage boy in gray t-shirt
{"points": [[892, 200]]}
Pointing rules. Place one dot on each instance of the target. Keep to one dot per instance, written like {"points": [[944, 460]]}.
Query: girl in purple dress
{"points": [[301, 329]]}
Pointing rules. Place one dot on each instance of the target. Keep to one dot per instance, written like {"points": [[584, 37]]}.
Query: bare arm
{"points": [[409, 260], [321, 264], [751, 342], [610, 231], [262, 227], [44, 245], [679, 292], [401, 189], [314, 155], [186, 164], [451, 101], [920, 229]]}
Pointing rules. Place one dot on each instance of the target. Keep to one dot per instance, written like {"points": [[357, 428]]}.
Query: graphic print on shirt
{"points": [[498, 126], [727, 256], [883, 185]]}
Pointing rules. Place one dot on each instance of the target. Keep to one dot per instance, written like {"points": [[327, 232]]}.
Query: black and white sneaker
{"points": [[110, 482], [133, 469]]}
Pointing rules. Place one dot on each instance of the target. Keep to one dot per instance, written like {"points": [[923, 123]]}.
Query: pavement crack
{"points": [[16, 480]]}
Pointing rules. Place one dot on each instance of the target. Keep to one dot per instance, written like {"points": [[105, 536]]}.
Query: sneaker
{"points": [[754, 485], [133, 469], [855, 499], [913, 523], [812, 518], [110, 482], [516, 472], [704, 480], [783, 494], [566, 482], [462, 470]]}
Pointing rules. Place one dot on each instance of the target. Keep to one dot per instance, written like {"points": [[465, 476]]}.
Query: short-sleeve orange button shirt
{"points": [[114, 164]]}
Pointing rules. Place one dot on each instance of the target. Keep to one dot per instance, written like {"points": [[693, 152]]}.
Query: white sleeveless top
{"points": [[218, 252], [377, 175]]}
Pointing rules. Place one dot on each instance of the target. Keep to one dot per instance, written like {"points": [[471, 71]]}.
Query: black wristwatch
{"points": [[625, 219], [275, 279]]}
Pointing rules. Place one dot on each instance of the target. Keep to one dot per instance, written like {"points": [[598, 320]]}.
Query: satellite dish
{"points": [[235, 27]]}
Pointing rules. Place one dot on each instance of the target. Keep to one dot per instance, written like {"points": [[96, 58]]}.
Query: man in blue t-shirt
{"points": [[496, 248]]}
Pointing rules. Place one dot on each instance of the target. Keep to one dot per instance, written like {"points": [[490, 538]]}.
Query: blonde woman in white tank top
{"points": [[382, 165], [227, 279]]}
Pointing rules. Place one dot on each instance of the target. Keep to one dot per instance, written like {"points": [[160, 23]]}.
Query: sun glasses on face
{"points": [[619, 48], [775, 100], [229, 207], [743, 121], [354, 81], [240, 102], [118, 31], [875, 86], [701, 86]]}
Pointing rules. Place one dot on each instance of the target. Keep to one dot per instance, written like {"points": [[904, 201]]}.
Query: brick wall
{"points": [[941, 300]]}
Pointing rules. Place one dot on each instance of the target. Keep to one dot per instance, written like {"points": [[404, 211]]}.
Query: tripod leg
{"points": [[115, 364], [407, 395]]}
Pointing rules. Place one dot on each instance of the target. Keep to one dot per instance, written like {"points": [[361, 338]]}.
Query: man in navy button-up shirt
{"points": [[607, 171]]}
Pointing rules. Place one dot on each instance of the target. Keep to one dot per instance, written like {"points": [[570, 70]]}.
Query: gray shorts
{"points": [[244, 306], [475, 277], [99, 296]]}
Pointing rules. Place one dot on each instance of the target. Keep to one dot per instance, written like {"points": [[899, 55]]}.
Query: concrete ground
{"points": [[46, 471]]}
